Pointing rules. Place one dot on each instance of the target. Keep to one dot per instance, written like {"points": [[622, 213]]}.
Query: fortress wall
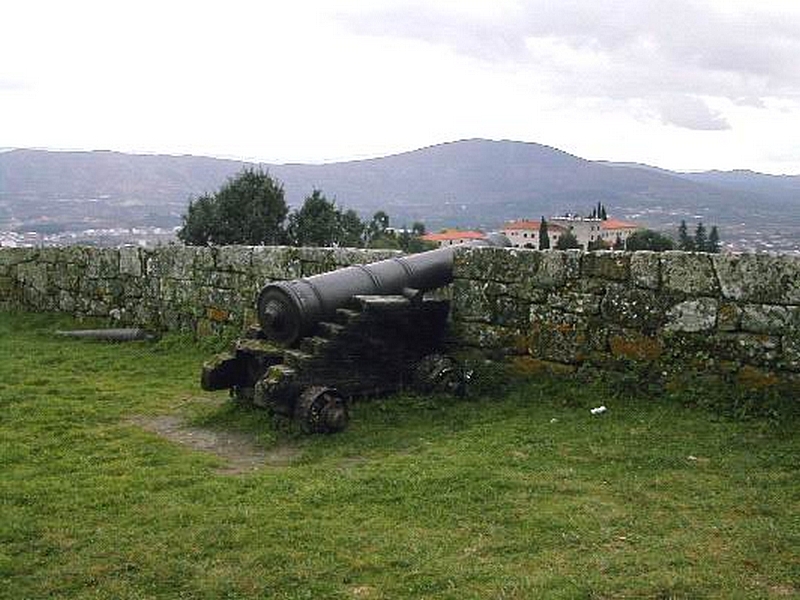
{"points": [[663, 315], [168, 288], [670, 316]]}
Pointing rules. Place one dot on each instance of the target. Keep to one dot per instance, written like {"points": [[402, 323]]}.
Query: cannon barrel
{"points": [[288, 310]]}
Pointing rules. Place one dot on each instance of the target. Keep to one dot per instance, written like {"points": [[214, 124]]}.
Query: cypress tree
{"points": [[685, 243], [544, 237], [713, 240], [700, 238]]}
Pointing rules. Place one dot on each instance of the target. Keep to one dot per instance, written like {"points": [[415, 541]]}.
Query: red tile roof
{"points": [[453, 234], [527, 225], [618, 224]]}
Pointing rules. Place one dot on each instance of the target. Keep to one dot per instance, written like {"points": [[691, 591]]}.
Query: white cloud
{"points": [[317, 80]]}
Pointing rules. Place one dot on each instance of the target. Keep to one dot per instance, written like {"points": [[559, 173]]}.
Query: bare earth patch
{"points": [[239, 451]]}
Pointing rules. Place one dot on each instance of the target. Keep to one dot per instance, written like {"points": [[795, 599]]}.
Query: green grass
{"points": [[521, 494]]}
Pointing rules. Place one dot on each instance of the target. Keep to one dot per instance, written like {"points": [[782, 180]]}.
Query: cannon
{"points": [[359, 331]]}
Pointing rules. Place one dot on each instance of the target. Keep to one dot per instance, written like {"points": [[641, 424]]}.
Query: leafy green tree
{"points": [[567, 241], [700, 238], [647, 239], [685, 242], [377, 226], [713, 240], [352, 229], [544, 237], [418, 228], [199, 221], [618, 243], [249, 209], [319, 222], [316, 223], [602, 214]]}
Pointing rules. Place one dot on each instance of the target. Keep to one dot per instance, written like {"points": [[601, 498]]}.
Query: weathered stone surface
{"points": [[495, 264], [759, 278], [173, 262], [606, 265], [491, 337], [729, 316], [688, 272], [632, 345], [765, 318], [103, 264], [634, 308], [646, 270], [693, 315], [563, 337], [130, 261], [575, 302], [234, 258]]}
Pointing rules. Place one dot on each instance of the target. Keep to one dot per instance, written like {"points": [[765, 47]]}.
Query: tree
{"points": [[647, 239], [713, 240], [378, 226], [316, 223], [544, 237], [199, 221], [567, 241], [602, 214], [598, 244], [249, 209], [352, 229], [618, 243], [685, 243], [700, 239], [319, 222], [418, 228]]}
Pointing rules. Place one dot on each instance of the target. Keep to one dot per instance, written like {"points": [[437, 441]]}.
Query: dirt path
{"points": [[239, 451]]}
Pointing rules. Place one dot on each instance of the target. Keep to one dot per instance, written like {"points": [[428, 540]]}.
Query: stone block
{"points": [[271, 264], [765, 318], [130, 261], [575, 302], [14, 256], [170, 262], [632, 345], [634, 308], [729, 316], [606, 265], [102, 263], [505, 340], [693, 315], [646, 269], [505, 265], [563, 337], [689, 272], [759, 278], [238, 259]]}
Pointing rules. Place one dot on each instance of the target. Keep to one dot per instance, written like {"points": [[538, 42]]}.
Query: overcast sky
{"points": [[678, 84]]}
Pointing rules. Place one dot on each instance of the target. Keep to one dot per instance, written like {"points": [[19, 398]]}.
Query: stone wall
{"points": [[737, 316], [168, 288]]}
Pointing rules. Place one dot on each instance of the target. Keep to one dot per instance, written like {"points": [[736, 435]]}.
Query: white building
{"points": [[525, 234]]}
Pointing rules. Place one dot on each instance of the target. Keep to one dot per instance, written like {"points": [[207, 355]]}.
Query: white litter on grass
{"points": [[598, 411], [554, 420]]}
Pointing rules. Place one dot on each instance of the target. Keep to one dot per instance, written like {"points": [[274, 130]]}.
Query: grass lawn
{"points": [[517, 494]]}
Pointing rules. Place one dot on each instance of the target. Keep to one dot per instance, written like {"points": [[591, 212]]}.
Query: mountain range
{"points": [[469, 183]]}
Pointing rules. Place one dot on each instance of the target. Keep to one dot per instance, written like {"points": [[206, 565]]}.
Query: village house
{"points": [[451, 237], [524, 233]]}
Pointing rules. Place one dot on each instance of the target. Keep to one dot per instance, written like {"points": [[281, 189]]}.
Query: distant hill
{"points": [[478, 183]]}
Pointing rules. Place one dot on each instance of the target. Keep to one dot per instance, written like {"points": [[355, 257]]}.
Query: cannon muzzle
{"points": [[289, 310]]}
